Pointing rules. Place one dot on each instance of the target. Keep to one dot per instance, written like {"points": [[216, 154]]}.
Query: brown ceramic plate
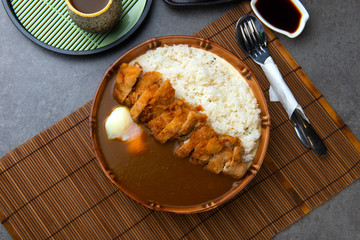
{"points": [[215, 49]]}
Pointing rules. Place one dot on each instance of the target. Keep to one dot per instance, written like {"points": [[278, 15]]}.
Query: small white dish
{"points": [[303, 19]]}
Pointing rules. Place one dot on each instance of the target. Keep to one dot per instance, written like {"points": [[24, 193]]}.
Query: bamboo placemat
{"points": [[53, 188]]}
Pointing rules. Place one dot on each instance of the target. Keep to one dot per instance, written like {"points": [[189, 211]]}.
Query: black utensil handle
{"points": [[307, 133]]}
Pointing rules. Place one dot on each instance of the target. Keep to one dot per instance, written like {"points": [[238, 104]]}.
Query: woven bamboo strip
{"points": [[323, 124], [284, 181], [287, 57]]}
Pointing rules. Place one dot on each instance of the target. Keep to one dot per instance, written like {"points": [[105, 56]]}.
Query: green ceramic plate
{"points": [[47, 23]]}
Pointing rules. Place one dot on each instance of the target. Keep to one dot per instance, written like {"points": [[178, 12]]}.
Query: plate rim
{"points": [[11, 14], [249, 76]]}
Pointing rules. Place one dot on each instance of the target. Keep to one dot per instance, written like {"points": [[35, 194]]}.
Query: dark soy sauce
{"points": [[89, 6], [282, 14]]}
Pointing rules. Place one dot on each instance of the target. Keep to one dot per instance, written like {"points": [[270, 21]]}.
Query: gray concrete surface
{"points": [[39, 87]]}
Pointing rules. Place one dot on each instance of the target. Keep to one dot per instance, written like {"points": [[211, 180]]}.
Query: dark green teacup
{"points": [[100, 21]]}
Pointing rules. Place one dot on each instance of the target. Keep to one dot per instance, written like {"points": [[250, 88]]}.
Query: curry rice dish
{"points": [[171, 125]]}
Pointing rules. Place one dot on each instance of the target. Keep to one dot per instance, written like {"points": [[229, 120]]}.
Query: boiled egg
{"points": [[119, 125]]}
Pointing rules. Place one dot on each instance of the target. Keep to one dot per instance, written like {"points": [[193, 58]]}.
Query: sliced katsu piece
{"points": [[142, 84], [205, 150], [229, 141], [164, 95], [200, 134], [216, 151], [159, 123], [214, 145], [193, 120], [159, 102], [142, 102], [217, 162], [200, 155], [237, 153], [235, 143], [177, 105], [171, 129], [170, 111], [235, 169], [185, 120], [125, 80]]}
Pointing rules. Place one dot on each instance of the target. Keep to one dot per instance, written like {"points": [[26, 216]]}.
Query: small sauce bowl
{"points": [[97, 22], [287, 17]]}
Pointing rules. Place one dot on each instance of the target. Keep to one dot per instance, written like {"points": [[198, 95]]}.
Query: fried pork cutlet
{"points": [[177, 105], [159, 122], [125, 80], [164, 95], [142, 84], [235, 169], [200, 155], [217, 162], [193, 120], [205, 149], [229, 141], [237, 153], [171, 129], [214, 145], [159, 102], [143, 101], [208, 148], [203, 133]]}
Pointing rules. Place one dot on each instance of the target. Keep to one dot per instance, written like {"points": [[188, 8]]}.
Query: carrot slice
{"points": [[137, 145]]}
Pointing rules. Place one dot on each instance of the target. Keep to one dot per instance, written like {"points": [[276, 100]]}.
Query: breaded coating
{"points": [[194, 120], [168, 113], [200, 155], [217, 162], [142, 84], [214, 145], [164, 95], [143, 101], [229, 141], [234, 169], [125, 80], [237, 153], [159, 123], [177, 105], [205, 150], [173, 127], [161, 100], [198, 135]]}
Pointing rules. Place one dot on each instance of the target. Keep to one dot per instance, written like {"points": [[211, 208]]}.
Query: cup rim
{"points": [[303, 19], [94, 14]]}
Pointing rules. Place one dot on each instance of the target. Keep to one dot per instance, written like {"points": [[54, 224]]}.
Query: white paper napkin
{"points": [[279, 90]]}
